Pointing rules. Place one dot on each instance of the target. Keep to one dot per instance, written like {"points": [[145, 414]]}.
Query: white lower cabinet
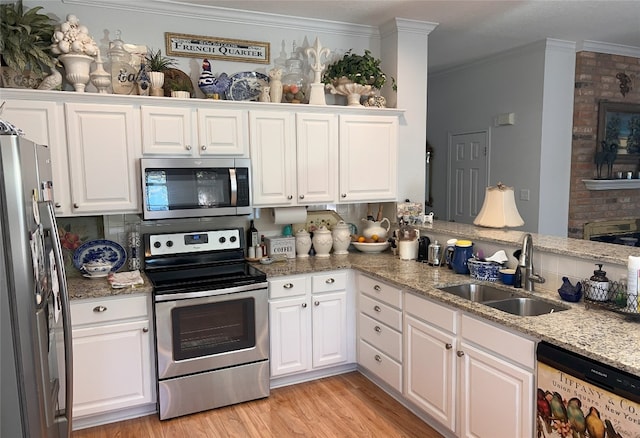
{"points": [[455, 365], [309, 322], [112, 359], [380, 330]]}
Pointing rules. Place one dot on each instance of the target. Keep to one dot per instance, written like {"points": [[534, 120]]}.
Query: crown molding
{"points": [[404, 25], [611, 49]]}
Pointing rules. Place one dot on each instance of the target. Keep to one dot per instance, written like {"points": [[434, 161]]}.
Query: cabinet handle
{"points": [[99, 309], [304, 305], [301, 196], [448, 346], [377, 329], [316, 303], [288, 286], [145, 329], [377, 308], [75, 205], [378, 358], [203, 147], [344, 195], [460, 353], [188, 147], [290, 197], [377, 288], [330, 280], [58, 205]]}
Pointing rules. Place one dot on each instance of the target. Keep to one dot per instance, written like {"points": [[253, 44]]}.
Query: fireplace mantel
{"points": [[611, 184]]}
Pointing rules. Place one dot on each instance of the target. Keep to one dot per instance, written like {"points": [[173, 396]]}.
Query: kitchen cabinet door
{"points": [[43, 123], [368, 158], [273, 158], [330, 335], [290, 323], [167, 131], [317, 158], [104, 147], [223, 132]]}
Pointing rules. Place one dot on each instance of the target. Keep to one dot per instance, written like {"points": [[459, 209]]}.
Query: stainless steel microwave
{"points": [[195, 187]]}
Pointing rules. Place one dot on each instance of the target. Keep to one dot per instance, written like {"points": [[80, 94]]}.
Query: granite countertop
{"points": [[80, 288], [597, 333]]}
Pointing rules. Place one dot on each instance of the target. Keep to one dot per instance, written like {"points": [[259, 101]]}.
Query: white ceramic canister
{"points": [[341, 235], [303, 243], [322, 242]]}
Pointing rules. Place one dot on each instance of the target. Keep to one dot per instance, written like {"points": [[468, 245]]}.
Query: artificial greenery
{"points": [[180, 84], [25, 38], [361, 69], [156, 62]]}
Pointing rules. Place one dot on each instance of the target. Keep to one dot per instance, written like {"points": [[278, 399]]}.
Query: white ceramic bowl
{"points": [[371, 247], [96, 268]]}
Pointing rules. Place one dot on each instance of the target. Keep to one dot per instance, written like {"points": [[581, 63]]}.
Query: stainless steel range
{"points": [[211, 317]]}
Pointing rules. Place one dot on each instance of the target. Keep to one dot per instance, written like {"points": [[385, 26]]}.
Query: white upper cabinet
{"points": [[368, 158], [104, 143], [167, 131]]}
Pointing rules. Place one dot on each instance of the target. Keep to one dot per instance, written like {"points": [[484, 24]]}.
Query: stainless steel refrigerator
{"points": [[35, 330]]}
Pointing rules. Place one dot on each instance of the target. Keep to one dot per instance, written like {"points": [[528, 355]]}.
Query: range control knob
{"points": [[157, 244], [222, 239], [169, 243], [233, 238]]}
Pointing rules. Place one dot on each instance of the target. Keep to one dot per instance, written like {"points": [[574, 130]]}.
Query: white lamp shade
{"points": [[499, 208]]}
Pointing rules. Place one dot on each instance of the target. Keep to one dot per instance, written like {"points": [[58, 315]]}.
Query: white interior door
{"points": [[467, 175]]}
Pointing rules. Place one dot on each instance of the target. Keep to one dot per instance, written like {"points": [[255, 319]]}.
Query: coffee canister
{"points": [[434, 254]]}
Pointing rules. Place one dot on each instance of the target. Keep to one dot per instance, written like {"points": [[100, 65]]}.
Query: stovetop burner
{"points": [[196, 261]]}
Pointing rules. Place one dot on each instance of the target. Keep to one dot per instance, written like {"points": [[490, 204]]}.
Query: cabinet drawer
{"points": [[329, 282], [91, 311], [287, 287], [430, 312], [381, 365], [497, 340], [381, 312], [381, 291], [380, 336]]}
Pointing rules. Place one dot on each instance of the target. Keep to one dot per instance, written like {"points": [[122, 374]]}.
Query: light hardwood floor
{"points": [[342, 406]]}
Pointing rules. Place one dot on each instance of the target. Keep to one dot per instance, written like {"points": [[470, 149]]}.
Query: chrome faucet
{"points": [[529, 277]]}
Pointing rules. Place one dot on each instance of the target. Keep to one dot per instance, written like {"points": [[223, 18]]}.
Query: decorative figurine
{"points": [[317, 87], [144, 83], [607, 155], [212, 87], [275, 81], [264, 94]]}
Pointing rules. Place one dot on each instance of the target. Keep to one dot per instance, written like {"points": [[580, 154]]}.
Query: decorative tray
{"points": [[101, 249], [615, 298]]}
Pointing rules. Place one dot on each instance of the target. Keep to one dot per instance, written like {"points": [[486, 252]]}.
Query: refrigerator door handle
{"points": [[51, 230]]}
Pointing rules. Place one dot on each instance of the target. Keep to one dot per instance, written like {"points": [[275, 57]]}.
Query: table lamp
{"points": [[499, 208]]}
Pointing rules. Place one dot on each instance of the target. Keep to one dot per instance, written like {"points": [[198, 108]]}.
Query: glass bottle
{"points": [[294, 83], [252, 236], [123, 74]]}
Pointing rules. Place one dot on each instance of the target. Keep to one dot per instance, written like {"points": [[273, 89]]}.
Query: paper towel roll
{"points": [[633, 268], [290, 215]]}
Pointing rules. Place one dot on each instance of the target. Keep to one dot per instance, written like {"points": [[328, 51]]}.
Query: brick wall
{"points": [[595, 81]]}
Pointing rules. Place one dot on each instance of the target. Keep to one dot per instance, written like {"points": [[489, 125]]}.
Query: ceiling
{"points": [[470, 30]]}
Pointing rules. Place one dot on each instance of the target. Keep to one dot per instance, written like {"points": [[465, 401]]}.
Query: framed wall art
{"points": [[619, 124], [222, 49]]}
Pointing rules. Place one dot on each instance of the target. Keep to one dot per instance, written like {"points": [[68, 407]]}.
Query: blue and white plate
{"points": [[97, 250], [246, 85]]}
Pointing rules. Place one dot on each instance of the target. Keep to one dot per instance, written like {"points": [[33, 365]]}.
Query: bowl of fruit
{"points": [[370, 244]]}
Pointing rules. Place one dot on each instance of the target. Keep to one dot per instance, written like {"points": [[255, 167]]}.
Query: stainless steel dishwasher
{"points": [[579, 397]]}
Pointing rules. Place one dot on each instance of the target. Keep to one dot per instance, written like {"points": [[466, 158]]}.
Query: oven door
{"points": [[211, 332]]}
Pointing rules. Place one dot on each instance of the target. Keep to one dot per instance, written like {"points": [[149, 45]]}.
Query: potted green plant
{"points": [[355, 75], [157, 65], [25, 39], [181, 87]]}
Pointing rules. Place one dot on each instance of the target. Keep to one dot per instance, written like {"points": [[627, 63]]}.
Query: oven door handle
{"points": [[209, 293]]}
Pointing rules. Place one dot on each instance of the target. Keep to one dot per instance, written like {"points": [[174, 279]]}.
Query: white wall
{"points": [[471, 97]]}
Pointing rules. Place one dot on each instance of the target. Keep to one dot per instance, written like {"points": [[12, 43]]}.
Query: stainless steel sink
{"points": [[478, 292], [526, 306]]}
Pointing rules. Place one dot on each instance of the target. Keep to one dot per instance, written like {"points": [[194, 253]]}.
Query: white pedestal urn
{"points": [[78, 68], [322, 242], [341, 238], [353, 91], [157, 83]]}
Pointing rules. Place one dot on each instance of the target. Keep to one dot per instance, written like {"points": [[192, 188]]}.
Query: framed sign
{"points": [[619, 124], [223, 49]]}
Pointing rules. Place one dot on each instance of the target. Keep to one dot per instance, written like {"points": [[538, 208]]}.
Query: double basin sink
{"points": [[504, 300]]}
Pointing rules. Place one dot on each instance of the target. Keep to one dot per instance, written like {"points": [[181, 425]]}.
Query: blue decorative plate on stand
{"points": [[100, 250], [246, 85]]}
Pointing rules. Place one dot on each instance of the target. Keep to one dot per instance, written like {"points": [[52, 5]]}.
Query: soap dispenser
{"points": [[598, 289]]}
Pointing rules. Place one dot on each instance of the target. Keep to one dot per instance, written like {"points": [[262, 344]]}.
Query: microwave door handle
{"points": [[234, 187]]}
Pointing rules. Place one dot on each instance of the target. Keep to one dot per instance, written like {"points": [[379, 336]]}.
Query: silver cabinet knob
{"points": [[330, 280], [58, 205], [377, 308], [377, 288], [288, 286], [203, 147], [301, 196], [290, 197], [188, 147], [378, 329], [316, 303], [344, 195], [448, 346], [378, 358], [75, 205], [99, 309], [460, 353], [145, 329], [304, 305]]}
